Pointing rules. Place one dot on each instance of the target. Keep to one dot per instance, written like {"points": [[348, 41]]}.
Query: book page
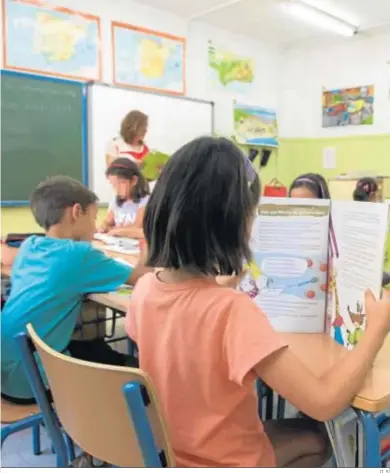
{"points": [[288, 274], [387, 248], [359, 236]]}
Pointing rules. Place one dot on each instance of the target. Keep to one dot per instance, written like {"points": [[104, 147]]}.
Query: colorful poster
{"points": [[344, 107], [148, 59], [255, 126], [229, 71], [51, 40]]}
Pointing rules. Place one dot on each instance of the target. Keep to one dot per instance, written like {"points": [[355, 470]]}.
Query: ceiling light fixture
{"points": [[319, 18]]}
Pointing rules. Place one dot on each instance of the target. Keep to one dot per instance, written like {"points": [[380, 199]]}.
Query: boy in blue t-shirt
{"points": [[50, 277]]}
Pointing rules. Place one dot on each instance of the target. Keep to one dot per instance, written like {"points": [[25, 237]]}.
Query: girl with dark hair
{"points": [[204, 345], [366, 190], [126, 212], [310, 186]]}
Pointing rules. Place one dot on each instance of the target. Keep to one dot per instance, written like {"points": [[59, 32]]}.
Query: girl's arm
{"points": [[134, 230], [108, 222], [323, 398]]}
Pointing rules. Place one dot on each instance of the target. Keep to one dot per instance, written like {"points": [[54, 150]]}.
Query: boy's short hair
{"points": [[54, 195], [199, 212]]}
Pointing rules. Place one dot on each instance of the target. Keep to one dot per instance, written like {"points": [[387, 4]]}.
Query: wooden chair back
{"points": [[92, 409]]}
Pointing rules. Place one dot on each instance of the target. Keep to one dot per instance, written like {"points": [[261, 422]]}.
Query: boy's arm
{"points": [[140, 269], [100, 273]]}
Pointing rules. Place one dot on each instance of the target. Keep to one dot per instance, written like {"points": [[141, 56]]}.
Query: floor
{"points": [[17, 451]]}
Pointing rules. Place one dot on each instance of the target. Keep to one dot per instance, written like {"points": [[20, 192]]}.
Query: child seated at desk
{"points": [[51, 275], [309, 186], [126, 212], [204, 346]]}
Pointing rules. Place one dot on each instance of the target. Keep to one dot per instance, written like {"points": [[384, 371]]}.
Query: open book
{"points": [[313, 261]]}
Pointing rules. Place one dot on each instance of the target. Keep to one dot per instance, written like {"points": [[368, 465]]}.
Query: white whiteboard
{"points": [[172, 123]]}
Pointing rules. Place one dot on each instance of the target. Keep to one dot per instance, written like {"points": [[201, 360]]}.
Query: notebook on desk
{"points": [[128, 246]]}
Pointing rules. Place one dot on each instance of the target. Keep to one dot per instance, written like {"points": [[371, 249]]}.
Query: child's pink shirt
{"points": [[200, 343]]}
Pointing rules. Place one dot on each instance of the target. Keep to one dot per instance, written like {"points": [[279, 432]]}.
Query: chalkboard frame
{"points": [[84, 125]]}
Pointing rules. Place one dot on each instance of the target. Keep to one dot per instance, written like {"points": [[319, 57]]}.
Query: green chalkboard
{"points": [[42, 133]]}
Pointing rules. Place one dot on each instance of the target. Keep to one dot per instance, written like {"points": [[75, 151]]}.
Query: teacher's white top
{"points": [[118, 148]]}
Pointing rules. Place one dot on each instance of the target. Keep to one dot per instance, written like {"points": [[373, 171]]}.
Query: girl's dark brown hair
{"points": [[127, 169], [197, 216], [133, 125], [314, 182], [365, 187]]}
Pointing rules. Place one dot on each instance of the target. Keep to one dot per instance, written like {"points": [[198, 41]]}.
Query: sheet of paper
{"points": [[107, 239], [329, 158], [287, 277], [386, 266], [359, 237], [121, 249]]}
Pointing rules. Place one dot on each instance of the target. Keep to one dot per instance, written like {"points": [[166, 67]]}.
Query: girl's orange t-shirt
{"points": [[200, 342]]}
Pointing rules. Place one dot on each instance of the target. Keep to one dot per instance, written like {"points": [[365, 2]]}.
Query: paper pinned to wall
{"points": [[329, 158]]}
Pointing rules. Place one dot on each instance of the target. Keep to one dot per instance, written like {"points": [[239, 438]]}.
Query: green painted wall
{"points": [[357, 153], [295, 156]]}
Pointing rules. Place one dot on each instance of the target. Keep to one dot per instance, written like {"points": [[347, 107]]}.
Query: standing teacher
{"points": [[130, 144]]}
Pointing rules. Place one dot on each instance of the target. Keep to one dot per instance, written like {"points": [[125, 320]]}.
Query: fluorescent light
{"points": [[320, 18]]}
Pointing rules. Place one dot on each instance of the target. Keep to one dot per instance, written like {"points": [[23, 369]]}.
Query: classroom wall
{"points": [[358, 148], [263, 92], [292, 83], [307, 71]]}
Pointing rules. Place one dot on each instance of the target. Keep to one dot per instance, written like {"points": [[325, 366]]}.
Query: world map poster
{"points": [[229, 71], [51, 40], [148, 59]]}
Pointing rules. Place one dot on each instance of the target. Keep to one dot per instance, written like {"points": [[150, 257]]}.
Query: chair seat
{"points": [[14, 412]]}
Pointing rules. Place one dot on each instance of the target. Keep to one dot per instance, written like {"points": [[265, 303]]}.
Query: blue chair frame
{"points": [[136, 399], [34, 422], [375, 429], [63, 447]]}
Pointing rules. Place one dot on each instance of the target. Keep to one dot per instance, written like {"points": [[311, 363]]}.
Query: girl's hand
{"points": [[117, 231], [378, 313]]}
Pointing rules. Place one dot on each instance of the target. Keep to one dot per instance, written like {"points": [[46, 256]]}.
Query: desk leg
{"points": [[372, 439]]}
